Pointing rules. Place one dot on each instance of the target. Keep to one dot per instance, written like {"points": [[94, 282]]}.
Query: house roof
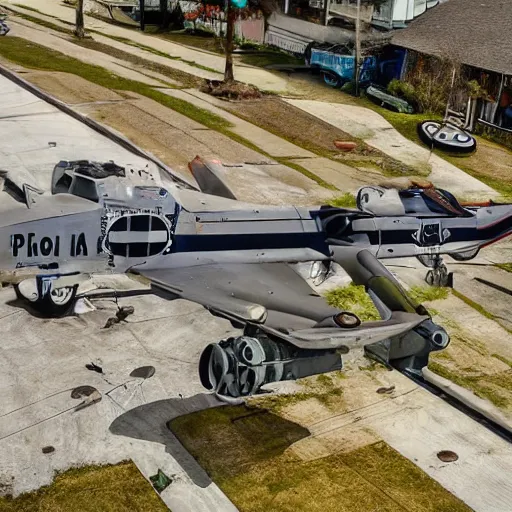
{"points": [[475, 32]]}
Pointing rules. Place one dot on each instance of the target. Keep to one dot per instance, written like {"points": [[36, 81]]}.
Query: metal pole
{"points": [[142, 9], [358, 48], [327, 4]]}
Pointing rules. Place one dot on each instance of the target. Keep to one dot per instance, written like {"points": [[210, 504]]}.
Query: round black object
{"points": [[446, 137], [55, 304], [144, 372], [82, 392], [48, 449]]}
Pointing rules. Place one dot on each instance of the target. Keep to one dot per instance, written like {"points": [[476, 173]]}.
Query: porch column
{"points": [[495, 115]]}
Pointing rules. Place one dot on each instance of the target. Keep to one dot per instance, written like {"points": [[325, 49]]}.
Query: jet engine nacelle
{"points": [[240, 366]]}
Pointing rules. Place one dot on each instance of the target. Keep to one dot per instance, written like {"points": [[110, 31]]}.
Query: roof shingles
{"points": [[474, 32]]}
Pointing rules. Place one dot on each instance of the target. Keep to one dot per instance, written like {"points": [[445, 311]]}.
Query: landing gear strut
{"points": [[438, 275]]}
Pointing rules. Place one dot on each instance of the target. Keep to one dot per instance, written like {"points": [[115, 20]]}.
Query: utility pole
{"points": [[142, 10], [357, 66], [79, 28]]}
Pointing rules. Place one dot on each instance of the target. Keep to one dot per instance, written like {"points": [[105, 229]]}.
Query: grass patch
{"points": [[185, 79], [119, 488], [504, 266], [347, 200], [246, 454], [422, 294], [473, 304], [35, 56], [503, 359], [405, 124], [269, 58], [203, 42], [44, 23], [503, 187], [355, 299], [495, 388], [330, 396]]}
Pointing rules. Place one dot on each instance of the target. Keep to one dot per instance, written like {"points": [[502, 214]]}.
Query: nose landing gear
{"points": [[438, 274]]}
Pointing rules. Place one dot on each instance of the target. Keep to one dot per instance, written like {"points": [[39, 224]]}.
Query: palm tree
{"points": [[79, 29]]}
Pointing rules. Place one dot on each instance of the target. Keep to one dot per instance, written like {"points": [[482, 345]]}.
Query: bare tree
{"points": [[230, 33], [266, 6], [79, 29]]}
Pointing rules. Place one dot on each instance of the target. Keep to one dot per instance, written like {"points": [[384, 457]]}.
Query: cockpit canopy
{"points": [[81, 178], [419, 202]]}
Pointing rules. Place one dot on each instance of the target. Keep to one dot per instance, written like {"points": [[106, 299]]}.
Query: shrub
{"points": [[402, 89]]}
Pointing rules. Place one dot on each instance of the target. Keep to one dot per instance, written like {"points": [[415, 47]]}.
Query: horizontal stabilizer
{"points": [[209, 177]]}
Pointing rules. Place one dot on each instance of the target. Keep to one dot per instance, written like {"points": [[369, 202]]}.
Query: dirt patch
{"points": [[230, 90], [70, 88], [307, 131], [294, 124], [148, 132]]}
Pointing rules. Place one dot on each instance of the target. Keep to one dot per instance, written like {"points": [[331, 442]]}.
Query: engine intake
{"points": [[240, 366]]}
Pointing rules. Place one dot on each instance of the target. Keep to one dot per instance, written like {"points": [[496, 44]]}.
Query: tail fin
{"points": [[208, 175]]}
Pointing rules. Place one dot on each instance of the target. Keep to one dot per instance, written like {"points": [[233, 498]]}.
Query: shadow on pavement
{"points": [[149, 423]]}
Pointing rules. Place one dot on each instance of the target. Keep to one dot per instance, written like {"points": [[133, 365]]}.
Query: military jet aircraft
{"points": [[235, 259]]}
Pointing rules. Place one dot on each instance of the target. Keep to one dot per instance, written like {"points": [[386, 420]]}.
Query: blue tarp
{"points": [[343, 65]]}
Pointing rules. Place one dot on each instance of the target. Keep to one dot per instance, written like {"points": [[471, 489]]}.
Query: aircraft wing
{"points": [[273, 297]]}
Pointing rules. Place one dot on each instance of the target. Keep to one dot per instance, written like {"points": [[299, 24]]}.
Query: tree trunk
{"points": [[230, 32], [79, 29]]}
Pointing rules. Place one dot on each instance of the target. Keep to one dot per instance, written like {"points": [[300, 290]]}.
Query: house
{"points": [[298, 22], [477, 34]]}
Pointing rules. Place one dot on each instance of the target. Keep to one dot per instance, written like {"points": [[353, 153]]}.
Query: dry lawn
{"points": [[468, 363], [245, 453], [119, 488]]}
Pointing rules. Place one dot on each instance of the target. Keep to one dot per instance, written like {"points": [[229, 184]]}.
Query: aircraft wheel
{"points": [[429, 279], [58, 302], [443, 276]]}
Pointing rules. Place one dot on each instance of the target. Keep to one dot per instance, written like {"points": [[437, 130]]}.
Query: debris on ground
{"points": [[48, 449], [121, 315], [94, 367], [447, 456], [89, 400], [83, 391], [345, 145], [160, 481], [231, 90], [386, 391]]}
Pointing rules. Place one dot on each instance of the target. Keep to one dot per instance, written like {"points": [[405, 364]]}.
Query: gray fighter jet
{"points": [[236, 260]]}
